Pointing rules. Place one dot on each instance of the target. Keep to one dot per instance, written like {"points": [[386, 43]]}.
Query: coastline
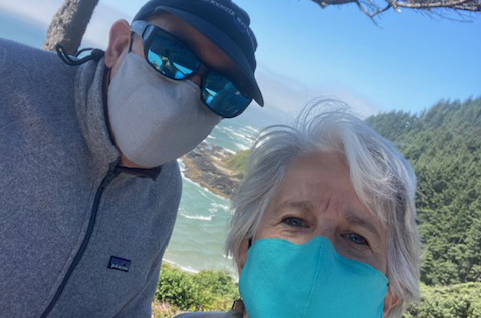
{"points": [[205, 165]]}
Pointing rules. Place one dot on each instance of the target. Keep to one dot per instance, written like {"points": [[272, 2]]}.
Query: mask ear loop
{"points": [[131, 41], [239, 304], [95, 54]]}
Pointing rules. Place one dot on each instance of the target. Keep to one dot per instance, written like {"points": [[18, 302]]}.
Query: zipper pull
{"points": [[111, 175]]}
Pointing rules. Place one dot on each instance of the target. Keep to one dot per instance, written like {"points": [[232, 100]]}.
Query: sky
{"points": [[409, 61]]}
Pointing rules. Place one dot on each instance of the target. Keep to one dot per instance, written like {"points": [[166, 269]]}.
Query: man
{"points": [[89, 185]]}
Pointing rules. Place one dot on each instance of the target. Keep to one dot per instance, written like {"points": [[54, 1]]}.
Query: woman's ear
{"points": [[390, 301], [241, 256], [119, 41]]}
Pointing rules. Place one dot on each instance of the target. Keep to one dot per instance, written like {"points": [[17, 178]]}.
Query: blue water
{"points": [[19, 29], [198, 239]]}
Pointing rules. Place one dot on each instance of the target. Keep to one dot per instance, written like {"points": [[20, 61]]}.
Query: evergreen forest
{"points": [[444, 146]]}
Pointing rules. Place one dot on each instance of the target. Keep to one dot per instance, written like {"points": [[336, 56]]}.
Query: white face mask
{"points": [[155, 120]]}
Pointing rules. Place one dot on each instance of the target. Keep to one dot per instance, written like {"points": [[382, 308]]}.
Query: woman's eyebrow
{"points": [[302, 206], [354, 218]]}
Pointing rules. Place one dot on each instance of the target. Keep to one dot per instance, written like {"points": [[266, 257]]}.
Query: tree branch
{"points": [[371, 8], [325, 3], [376, 12], [468, 5]]}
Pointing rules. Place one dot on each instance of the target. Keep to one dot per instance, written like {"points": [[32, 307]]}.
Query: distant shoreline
{"points": [[205, 165]]}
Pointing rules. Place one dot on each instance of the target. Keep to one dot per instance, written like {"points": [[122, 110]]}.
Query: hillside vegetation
{"points": [[237, 162], [444, 146], [179, 291]]}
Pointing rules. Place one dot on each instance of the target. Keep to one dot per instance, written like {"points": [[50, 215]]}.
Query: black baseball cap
{"points": [[221, 21]]}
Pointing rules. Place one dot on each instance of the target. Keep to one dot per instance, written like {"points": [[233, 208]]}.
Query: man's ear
{"points": [[390, 301], [241, 256], [119, 39]]}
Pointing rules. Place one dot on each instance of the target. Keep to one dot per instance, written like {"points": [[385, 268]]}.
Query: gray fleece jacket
{"points": [[79, 237]]}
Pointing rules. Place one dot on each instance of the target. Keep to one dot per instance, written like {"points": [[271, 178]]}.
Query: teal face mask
{"points": [[286, 280]]}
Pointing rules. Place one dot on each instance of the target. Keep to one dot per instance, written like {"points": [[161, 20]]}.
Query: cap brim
{"points": [[225, 43]]}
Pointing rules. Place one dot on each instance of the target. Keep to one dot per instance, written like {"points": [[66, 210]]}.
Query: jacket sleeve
{"points": [[140, 306]]}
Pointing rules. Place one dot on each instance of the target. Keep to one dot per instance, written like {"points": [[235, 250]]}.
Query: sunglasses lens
{"points": [[222, 97], [171, 57]]}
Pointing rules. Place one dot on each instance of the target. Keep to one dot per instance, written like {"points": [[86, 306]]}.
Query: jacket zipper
{"points": [[109, 177]]}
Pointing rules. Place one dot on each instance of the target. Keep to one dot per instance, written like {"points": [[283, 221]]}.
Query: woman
{"points": [[324, 223]]}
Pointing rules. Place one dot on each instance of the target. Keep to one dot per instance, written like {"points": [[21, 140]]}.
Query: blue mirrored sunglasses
{"points": [[172, 58]]}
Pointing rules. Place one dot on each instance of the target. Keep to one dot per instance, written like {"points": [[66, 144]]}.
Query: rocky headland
{"points": [[205, 165]]}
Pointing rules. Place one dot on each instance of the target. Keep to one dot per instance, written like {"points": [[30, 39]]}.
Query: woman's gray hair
{"points": [[383, 180]]}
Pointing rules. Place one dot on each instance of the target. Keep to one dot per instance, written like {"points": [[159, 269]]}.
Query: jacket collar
{"points": [[91, 115]]}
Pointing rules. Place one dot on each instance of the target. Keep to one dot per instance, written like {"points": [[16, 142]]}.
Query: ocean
{"points": [[197, 242]]}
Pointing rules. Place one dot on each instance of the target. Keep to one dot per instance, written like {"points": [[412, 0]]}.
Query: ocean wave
{"points": [[181, 166], [205, 192], [232, 152], [242, 146], [242, 136], [198, 217], [251, 129], [213, 210], [222, 206], [185, 269], [216, 209]]}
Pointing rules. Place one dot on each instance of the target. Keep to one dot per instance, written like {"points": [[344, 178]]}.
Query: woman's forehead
{"points": [[320, 181]]}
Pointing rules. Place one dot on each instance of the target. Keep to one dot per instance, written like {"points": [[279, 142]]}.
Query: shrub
{"points": [[177, 288], [216, 290], [204, 291], [455, 301], [237, 162]]}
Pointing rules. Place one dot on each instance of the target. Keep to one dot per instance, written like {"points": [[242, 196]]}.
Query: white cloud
{"points": [[290, 95], [97, 32], [40, 11]]}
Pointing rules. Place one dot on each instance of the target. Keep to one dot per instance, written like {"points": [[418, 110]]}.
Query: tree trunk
{"points": [[68, 25]]}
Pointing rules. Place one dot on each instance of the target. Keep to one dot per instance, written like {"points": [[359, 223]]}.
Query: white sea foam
{"points": [[198, 217], [252, 129], [229, 151], [222, 206], [214, 209], [242, 146], [236, 132], [181, 166], [204, 190], [185, 269]]}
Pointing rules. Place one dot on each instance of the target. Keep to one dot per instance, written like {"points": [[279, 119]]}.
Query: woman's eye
{"points": [[295, 222], [357, 239]]}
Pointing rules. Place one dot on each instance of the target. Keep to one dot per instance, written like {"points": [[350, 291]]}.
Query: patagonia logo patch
{"points": [[119, 264]]}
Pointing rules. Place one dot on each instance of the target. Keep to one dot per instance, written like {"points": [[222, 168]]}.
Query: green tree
{"points": [[444, 146]]}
